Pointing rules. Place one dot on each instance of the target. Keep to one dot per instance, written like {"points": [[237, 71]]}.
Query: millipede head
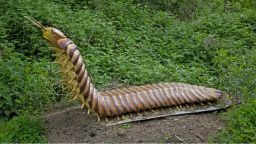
{"points": [[52, 34]]}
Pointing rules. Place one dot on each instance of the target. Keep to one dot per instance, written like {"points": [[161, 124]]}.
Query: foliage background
{"points": [[130, 42]]}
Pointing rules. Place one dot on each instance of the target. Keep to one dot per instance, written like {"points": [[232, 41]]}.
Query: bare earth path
{"points": [[74, 125]]}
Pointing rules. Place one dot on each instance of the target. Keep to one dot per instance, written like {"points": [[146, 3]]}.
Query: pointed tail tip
{"points": [[218, 93]]}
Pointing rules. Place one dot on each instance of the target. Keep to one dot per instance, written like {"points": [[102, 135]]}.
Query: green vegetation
{"points": [[126, 126], [130, 42], [22, 129], [241, 127]]}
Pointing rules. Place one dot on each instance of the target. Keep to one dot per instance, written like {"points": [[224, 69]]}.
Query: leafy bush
{"points": [[241, 124], [25, 85], [22, 129]]}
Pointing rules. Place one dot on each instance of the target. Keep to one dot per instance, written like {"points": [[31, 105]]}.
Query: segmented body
{"points": [[120, 101]]}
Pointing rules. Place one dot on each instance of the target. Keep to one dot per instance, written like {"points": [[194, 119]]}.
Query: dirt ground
{"points": [[74, 125]]}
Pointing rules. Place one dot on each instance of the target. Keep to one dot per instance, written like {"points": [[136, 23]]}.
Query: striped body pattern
{"points": [[120, 101]]}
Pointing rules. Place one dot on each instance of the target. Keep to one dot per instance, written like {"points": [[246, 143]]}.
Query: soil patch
{"points": [[74, 125]]}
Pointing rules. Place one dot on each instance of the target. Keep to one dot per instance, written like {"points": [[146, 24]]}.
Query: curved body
{"points": [[133, 99], [117, 102]]}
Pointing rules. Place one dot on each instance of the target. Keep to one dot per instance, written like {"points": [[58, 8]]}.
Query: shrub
{"points": [[22, 129], [25, 85], [241, 124]]}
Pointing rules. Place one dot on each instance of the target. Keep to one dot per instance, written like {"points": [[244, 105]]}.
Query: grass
{"points": [[130, 42], [126, 126], [165, 139]]}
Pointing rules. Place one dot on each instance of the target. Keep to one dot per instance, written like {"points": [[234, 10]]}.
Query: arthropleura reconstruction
{"points": [[119, 101]]}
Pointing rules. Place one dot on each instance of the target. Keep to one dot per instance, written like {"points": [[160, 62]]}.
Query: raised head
{"points": [[52, 34]]}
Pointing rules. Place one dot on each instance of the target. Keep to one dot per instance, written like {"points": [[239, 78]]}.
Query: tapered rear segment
{"points": [[140, 98]]}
